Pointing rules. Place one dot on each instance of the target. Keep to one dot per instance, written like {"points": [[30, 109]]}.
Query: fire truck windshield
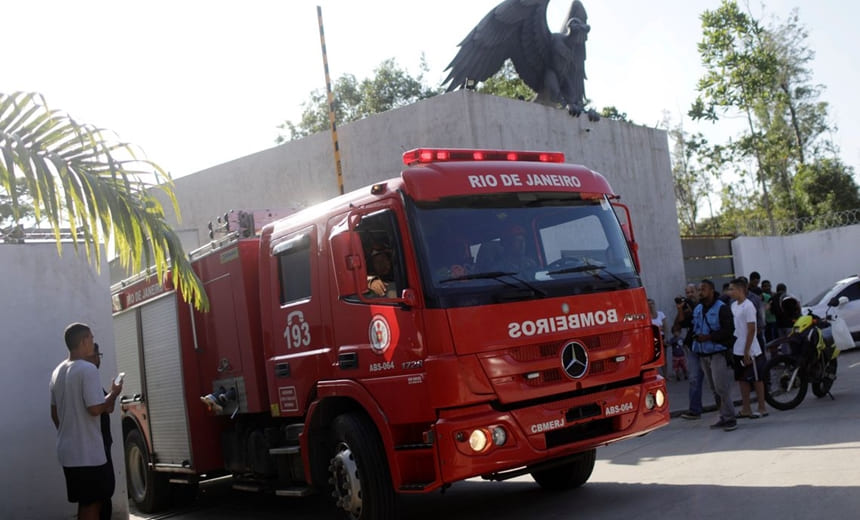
{"points": [[480, 250]]}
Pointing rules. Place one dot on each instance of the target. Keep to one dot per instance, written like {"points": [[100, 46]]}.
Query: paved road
{"points": [[798, 464]]}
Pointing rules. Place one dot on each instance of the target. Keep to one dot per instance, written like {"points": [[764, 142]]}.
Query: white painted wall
{"points": [[41, 294], [635, 160], [807, 263]]}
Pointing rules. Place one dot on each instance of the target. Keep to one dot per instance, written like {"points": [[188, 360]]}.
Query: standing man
{"points": [[755, 279], [107, 439], [758, 303], [749, 359], [770, 328], [77, 402], [712, 336]]}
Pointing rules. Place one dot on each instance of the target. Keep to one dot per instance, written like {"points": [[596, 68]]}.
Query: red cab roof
{"points": [[433, 181]]}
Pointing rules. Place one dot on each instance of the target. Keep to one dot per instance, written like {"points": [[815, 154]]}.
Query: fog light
{"points": [[661, 398], [479, 440], [649, 401], [500, 436]]}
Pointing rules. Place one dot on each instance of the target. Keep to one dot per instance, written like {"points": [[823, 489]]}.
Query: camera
{"points": [[679, 300]]}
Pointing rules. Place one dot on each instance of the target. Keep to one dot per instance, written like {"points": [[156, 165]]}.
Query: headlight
{"points": [[479, 440], [661, 398], [649, 401], [500, 436]]}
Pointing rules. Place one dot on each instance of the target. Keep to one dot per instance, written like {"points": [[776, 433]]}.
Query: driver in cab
{"points": [[514, 257], [381, 284]]}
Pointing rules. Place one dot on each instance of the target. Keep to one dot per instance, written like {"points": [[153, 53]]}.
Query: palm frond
{"points": [[82, 177]]}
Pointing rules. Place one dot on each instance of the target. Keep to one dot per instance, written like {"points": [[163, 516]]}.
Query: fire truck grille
{"points": [[544, 377], [546, 350], [598, 367]]}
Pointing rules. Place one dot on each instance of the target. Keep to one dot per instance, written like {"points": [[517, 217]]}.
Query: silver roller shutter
{"points": [[128, 352], [168, 421]]}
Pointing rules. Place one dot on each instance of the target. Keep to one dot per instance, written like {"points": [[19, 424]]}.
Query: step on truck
{"points": [[481, 315]]}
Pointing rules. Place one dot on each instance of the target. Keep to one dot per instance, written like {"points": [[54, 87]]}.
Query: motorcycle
{"points": [[807, 357]]}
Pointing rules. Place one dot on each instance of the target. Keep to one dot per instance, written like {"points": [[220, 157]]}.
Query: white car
{"points": [[849, 311]]}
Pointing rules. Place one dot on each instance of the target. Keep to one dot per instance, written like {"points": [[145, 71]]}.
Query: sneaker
{"points": [[690, 416], [726, 424]]}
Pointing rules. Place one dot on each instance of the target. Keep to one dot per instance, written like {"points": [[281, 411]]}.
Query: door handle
{"points": [[348, 361]]}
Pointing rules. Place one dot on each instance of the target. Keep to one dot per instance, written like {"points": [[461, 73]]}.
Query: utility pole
{"points": [[331, 118]]}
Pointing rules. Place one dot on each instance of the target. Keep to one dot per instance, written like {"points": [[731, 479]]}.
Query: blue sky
{"points": [[199, 83]]}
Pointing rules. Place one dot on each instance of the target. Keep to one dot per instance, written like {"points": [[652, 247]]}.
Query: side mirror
{"points": [[627, 229], [842, 301], [348, 258], [409, 297]]}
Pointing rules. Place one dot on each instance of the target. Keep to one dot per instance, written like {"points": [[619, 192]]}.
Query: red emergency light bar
{"points": [[432, 155]]}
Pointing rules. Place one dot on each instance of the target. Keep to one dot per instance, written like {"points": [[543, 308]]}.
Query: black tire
{"points": [[822, 388], [569, 475], [785, 383], [360, 478], [148, 489]]}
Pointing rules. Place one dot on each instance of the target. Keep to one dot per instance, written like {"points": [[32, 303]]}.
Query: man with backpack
{"points": [[713, 329]]}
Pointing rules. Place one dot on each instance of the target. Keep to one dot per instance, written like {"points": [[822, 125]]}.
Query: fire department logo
{"points": [[574, 360], [380, 334]]}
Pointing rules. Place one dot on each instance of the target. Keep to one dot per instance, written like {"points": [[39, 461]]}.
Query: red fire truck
{"points": [[480, 315]]}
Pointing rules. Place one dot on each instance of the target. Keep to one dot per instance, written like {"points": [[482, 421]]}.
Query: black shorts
{"points": [[750, 373], [88, 484]]}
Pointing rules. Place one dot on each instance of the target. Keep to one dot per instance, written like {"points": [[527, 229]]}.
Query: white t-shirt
{"points": [[75, 386], [744, 313]]}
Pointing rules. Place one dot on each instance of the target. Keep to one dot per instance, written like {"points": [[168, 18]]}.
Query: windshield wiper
{"points": [[592, 267], [492, 275], [497, 275]]}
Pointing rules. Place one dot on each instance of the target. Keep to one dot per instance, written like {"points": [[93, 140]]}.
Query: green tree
{"points": [[7, 213], [739, 74], [507, 83], [80, 177], [692, 186], [388, 88], [763, 74], [611, 112]]}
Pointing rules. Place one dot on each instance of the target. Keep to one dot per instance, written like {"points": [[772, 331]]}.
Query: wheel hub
{"points": [[345, 479], [137, 473]]}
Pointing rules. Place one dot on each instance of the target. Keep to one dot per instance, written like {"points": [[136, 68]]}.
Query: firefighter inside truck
{"points": [[384, 278]]}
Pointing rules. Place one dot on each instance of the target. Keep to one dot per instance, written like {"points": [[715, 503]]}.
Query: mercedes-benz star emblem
{"points": [[574, 360]]}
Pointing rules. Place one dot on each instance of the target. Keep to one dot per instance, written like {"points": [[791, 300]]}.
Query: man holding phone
{"points": [[77, 402], [749, 360]]}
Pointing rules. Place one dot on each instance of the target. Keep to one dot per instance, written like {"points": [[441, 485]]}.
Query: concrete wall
{"points": [[42, 293], [807, 263], [635, 159]]}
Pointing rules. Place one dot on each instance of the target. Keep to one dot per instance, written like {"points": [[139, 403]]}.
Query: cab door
{"points": [[376, 337], [298, 342]]}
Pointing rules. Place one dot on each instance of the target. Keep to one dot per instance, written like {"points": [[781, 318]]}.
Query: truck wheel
{"points": [[569, 475], [149, 490], [358, 471]]}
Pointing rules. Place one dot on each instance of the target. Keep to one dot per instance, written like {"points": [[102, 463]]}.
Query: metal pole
{"points": [[330, 94]]}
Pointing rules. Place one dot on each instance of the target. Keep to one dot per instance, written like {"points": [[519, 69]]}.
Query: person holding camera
{"points": [[682, 327]]}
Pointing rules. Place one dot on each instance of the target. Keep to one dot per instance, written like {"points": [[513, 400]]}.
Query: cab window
{"points": [[383, 255], [294, 268]]}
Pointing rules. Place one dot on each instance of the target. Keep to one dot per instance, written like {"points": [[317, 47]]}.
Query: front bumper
{"points": [[548, 430]]}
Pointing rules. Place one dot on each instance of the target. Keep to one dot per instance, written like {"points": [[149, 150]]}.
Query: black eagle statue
{"points": [[552, 64]]}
